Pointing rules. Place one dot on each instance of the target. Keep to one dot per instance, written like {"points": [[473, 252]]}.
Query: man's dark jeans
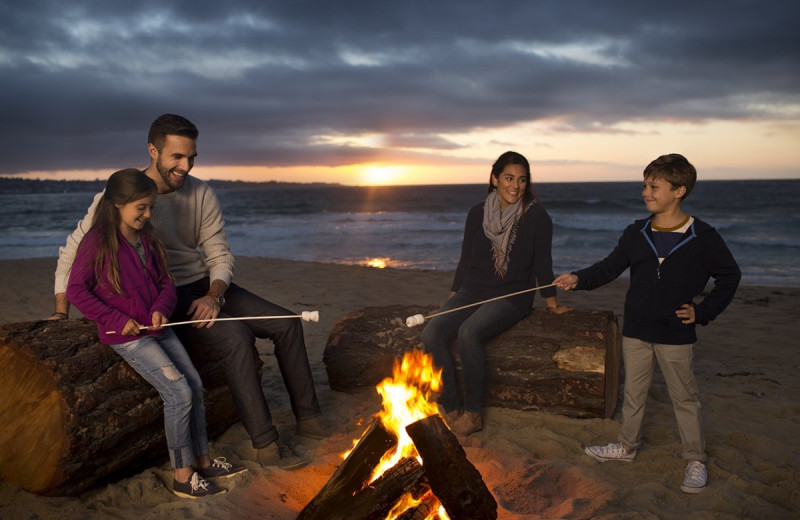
{"points": [[234, 341]]}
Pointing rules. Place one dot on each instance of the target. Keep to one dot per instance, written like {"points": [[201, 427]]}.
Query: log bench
{"points": [[74, 414], [567, 364]]}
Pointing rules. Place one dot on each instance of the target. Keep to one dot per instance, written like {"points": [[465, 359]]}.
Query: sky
{"points": [[403, 92]]}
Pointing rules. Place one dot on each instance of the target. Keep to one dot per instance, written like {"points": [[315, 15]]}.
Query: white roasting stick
{"points": [[419, 319], [305, 316]]}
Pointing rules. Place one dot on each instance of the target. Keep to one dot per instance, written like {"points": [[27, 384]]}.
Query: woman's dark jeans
{"points": [[471, 328]]}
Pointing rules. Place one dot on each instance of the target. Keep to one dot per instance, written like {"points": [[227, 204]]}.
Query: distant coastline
{"points": [[18, 185], [12, 185]]}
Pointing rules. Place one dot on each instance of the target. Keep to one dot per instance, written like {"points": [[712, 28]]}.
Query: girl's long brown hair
{"points": [[122, 187]]}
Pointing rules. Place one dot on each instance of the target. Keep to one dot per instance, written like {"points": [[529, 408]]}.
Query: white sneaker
{"points": [[696, 477], [613, 451]]}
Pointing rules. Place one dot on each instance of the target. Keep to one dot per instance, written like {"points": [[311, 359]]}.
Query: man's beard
{"points": [[172, 183]]}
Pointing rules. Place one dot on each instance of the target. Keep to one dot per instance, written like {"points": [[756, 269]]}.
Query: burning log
{"points": [[351, 475], [427, 506], [445, 476], [379, 498], [452, 478], [405, 490], [563, 363], [348, 494], [74, 414]]}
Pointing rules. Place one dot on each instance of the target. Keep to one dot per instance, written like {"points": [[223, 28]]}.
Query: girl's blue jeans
{"points": [[470, 327], [163, 362]]}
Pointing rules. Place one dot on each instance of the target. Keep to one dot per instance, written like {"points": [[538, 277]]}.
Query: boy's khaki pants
{"points": [[675, 362]]}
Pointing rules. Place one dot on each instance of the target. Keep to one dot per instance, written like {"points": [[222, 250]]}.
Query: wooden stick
{"points": [[305, 316], [417, 319]]}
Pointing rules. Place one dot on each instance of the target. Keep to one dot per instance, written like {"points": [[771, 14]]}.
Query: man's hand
{"points": [[204, 308]]}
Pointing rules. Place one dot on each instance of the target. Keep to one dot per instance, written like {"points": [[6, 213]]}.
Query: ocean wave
{"points": [[421, 226], [564, 222]]}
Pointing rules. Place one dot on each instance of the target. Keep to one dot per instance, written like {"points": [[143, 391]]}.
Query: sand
{"points": [[747, 364]]}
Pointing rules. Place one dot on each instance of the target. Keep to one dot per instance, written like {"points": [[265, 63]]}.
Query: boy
{"points": [[671, 257]]}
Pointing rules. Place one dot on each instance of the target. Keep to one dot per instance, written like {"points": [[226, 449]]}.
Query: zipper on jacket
{"points": [[647, 225]]}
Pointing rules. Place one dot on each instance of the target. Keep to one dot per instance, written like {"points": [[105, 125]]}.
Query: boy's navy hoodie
{"points": [[656, 292]]}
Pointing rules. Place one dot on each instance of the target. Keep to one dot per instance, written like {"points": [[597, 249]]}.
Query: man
{"points": [[188, 220]]}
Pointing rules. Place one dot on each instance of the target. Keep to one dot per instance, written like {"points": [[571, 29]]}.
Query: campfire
{"points": [[407, 465]]}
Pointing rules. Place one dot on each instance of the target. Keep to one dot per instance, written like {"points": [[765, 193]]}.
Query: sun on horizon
{"points": [[382, 174]]}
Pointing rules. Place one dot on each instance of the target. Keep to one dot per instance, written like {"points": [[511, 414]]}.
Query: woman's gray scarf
{"points": [[500, 227]]}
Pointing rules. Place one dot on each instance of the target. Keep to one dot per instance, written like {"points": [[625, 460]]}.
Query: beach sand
{"points": [[747, 364]]}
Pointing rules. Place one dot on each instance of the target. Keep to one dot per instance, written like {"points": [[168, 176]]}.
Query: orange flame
{"points": [[406, 400]]}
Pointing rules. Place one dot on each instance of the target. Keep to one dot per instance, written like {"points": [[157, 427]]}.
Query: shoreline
{"points": [[746, 364]]}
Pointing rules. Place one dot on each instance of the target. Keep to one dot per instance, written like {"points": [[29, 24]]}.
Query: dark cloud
{"points": [[81, 80]]}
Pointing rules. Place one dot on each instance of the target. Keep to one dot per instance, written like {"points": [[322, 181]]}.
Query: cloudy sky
{"points": [[404, 91]]}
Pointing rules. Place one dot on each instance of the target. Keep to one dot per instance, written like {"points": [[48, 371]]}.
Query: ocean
{"points": [[420, 227]]}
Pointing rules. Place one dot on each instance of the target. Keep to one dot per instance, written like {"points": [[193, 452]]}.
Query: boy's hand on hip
{"points": [[686, 313]]}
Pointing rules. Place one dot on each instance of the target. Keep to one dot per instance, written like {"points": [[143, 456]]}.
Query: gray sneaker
{"points": [[280, 455], [196, 487], [696, 477], [613, 451]]}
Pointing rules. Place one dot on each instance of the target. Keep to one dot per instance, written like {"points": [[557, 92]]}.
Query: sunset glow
{"points": [[383, 175], [378, 104], [719, 150]]}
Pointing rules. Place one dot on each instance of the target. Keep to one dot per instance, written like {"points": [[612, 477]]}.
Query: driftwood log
{"points": [[567, 364], [73, 414]]}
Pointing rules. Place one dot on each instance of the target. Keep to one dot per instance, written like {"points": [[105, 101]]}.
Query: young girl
{"points": [[120, 281]]}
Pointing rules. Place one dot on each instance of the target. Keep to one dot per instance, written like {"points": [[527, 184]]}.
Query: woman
{"points": [[506, 249]]}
